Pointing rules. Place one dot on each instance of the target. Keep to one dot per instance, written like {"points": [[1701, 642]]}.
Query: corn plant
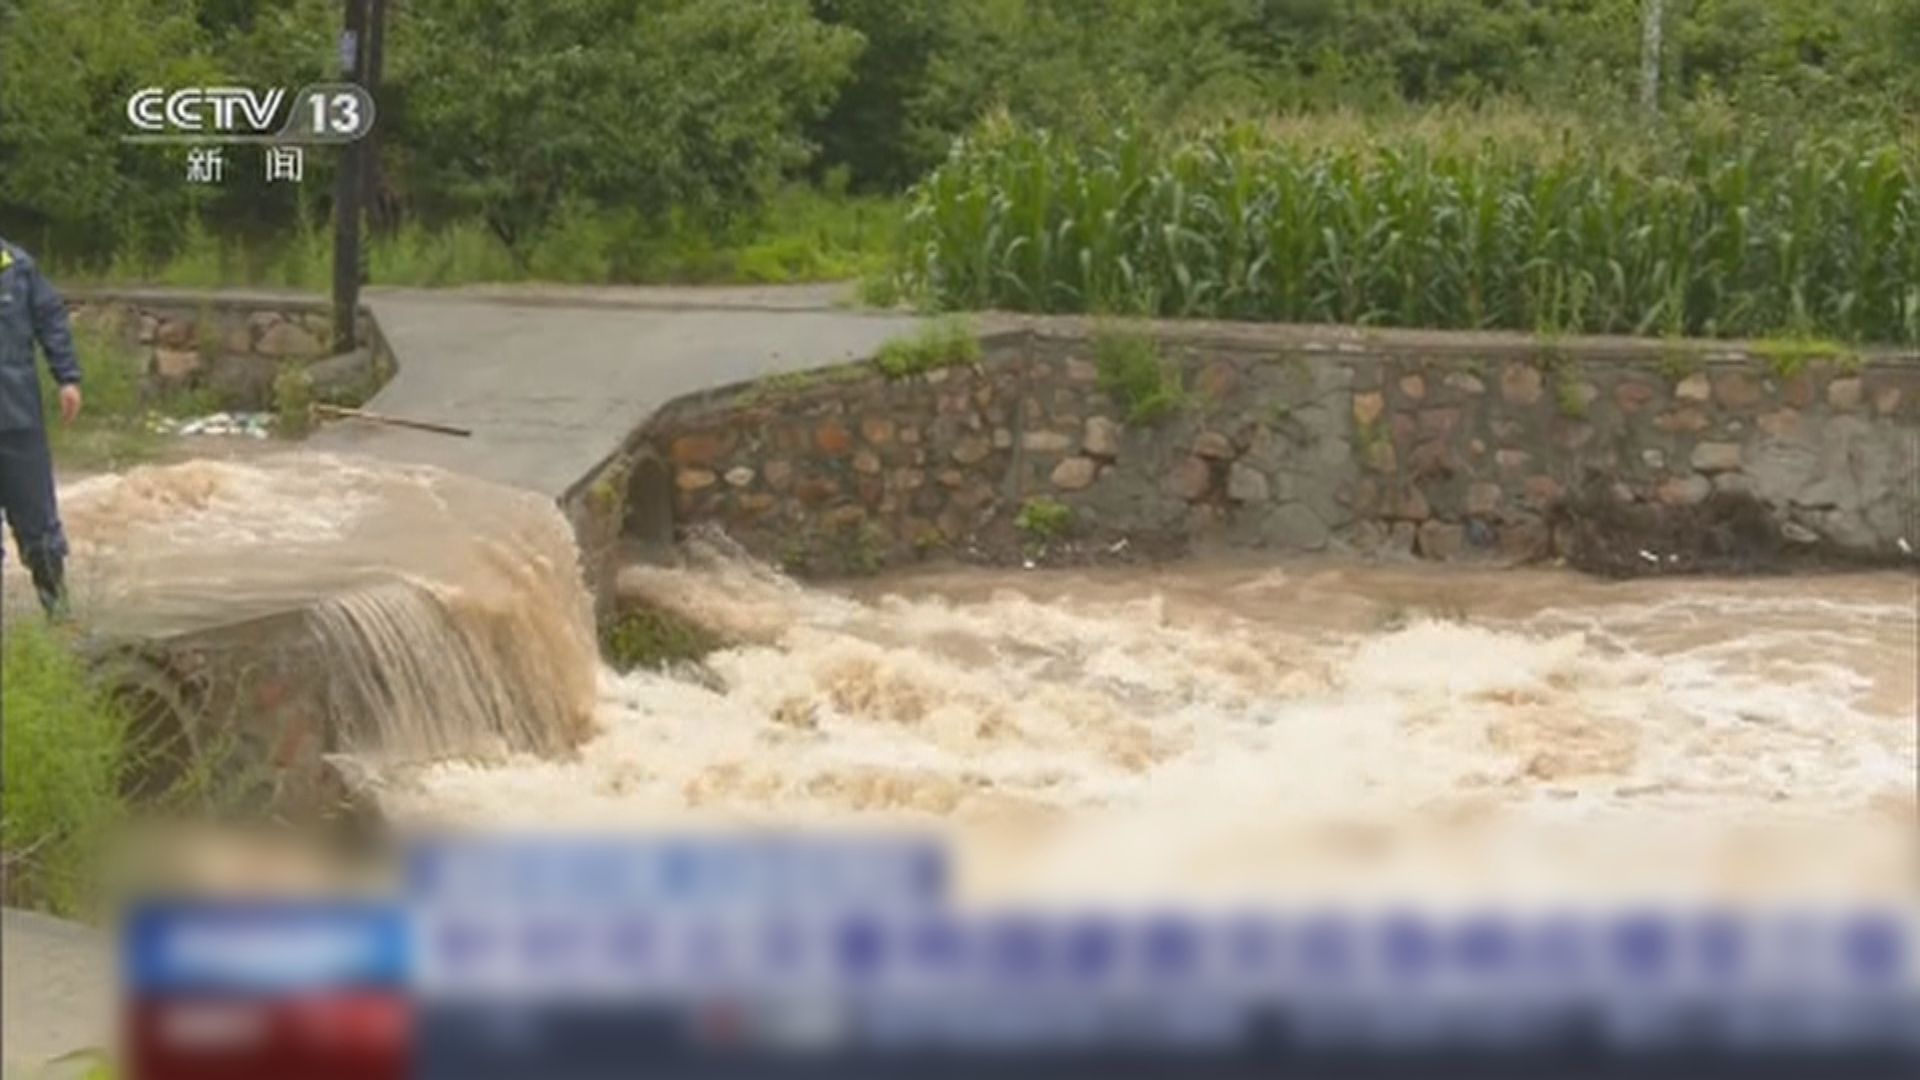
{"points": [[1710, 235]]}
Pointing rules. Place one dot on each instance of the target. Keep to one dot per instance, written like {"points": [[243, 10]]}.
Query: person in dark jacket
{"points": [[31, 311]]}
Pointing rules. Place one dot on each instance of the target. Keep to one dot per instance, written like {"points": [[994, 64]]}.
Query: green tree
{"points": [[670, 107], [67, 182], [1811, 61], [871, 128], [1081, 65]]}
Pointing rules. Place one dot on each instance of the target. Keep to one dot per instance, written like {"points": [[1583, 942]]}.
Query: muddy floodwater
{"points": [[1230, 731], [1208, 730]]}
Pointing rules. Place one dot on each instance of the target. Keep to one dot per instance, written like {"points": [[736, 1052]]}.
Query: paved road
{"points": [[56, 994], [552, 380]]}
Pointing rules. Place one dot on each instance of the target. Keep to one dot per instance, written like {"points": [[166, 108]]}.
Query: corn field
{"points": [[1716, 237]]}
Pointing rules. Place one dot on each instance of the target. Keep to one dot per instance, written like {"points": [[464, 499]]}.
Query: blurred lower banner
{"points": [[278, 987], [805, 954]]}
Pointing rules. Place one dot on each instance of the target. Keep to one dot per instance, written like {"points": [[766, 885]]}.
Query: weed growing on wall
{"points": [[942, 343], [1568, 394], [1044, 520], [1677, 361], [1787, 357], [1132, 371], [783, 384], [863, 551], [293, 402]]}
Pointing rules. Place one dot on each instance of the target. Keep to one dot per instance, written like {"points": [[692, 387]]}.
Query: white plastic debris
{"points": [[253, 425]]}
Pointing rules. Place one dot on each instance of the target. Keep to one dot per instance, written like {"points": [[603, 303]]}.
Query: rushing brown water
{"points": [[1203, 730], [1232, 731], [452, 608]]}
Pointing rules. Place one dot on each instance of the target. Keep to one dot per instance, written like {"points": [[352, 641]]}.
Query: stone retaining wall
{"points": [[1294, 440], [232, 344], [250, 704]]}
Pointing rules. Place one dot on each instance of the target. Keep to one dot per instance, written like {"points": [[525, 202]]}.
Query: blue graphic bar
{"points": [[265, 947]]}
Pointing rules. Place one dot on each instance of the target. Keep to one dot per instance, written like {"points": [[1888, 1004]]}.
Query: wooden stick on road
{"points": [[397, 421]]}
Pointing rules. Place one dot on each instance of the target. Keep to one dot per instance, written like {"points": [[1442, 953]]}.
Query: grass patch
{"points": [[786, 384], [863, 551], [1568, 398], [1376, 448], [63, 760], [112, 431], [809, 235], [100, 736], [1132, 371], [796, 555], [94, 744], [803, 234], [651, 637], [1677, 362], [604, 496], [1564, 372], [852, 550], [881, 289], [1044, 520], [293, 402], [1787, 357], [942, 343]]}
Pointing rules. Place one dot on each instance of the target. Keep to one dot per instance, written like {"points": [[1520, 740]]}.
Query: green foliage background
{"points": [[670, 139]]}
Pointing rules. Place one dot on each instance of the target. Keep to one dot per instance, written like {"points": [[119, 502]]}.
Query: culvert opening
{"points": [[161, 713], [648, 523]]}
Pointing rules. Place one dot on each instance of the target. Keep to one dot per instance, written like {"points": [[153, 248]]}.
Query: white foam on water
{"points": [[1231, 733]]}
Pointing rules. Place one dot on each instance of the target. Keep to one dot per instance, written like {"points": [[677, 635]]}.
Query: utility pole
{"points": [[348, 188], [372, 184], [1653, 15]]}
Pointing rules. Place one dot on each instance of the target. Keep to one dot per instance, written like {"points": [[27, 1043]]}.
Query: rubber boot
{"points": [[49, 570]]}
